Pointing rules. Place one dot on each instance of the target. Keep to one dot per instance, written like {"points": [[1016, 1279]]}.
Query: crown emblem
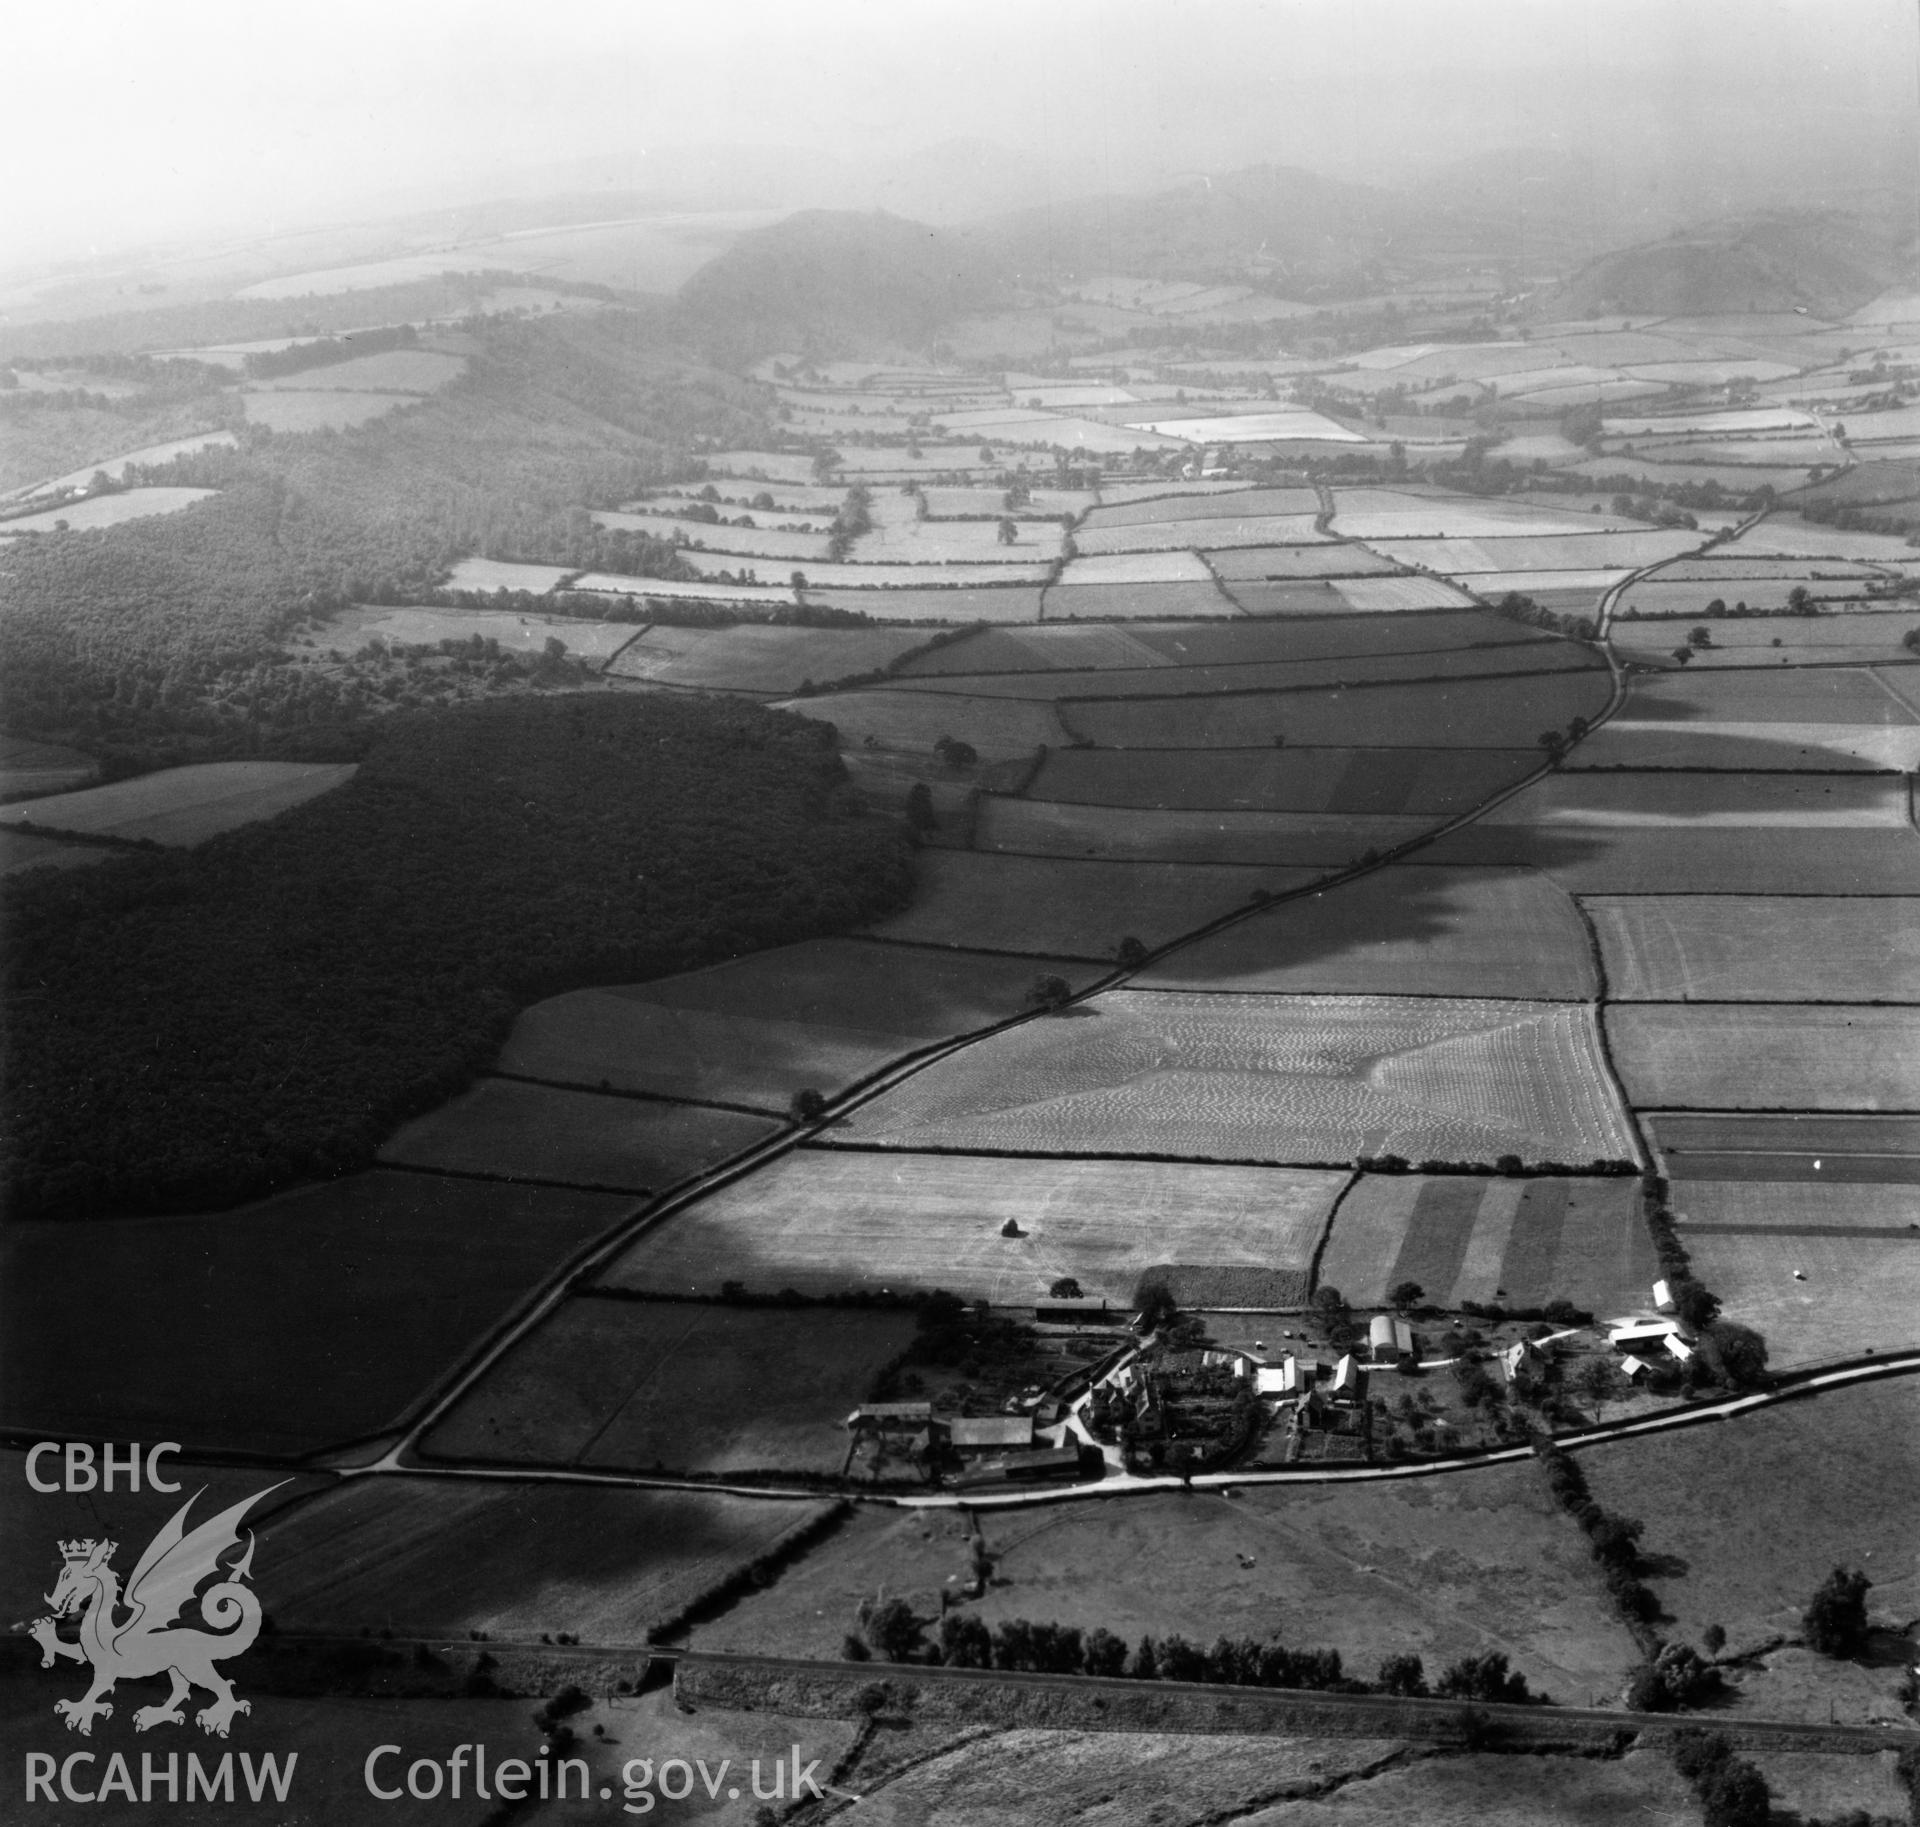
{"points": [[80, 1551]]}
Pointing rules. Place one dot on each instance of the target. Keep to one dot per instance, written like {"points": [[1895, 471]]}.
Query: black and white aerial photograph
{"points": [[932, 914]]}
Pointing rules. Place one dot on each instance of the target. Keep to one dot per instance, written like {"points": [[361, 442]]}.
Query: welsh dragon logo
{"points": [[135, 1635]]}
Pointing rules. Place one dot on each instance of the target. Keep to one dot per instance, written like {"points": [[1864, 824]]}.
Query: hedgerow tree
{"points": [[1836, 1618]]}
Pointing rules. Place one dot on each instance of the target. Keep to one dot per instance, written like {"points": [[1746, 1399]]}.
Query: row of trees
{"points": [[889, 1628]]}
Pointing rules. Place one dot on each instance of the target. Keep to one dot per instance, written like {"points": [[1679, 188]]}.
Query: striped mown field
{"points": [[1472, 1237]]}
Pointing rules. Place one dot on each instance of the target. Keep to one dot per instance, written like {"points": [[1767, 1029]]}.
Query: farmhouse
{"points": [[1349, 1380], [1390, 1340], [1519, 1357]]}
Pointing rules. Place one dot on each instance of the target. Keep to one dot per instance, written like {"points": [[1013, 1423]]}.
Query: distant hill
{"points": [[863, 276], [1822, 261], [1309, 233]]}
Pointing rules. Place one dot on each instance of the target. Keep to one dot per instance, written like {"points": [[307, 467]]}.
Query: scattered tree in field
{"points": [[1012, 1228], [1683, 654], [1008, 532], [1329, 1302], [1800, 600], [920, 812], [1405, 1294], [1050, 992], [853, 1648], [955, 753], [1836, 1619], [1700, 636], [808, 1105], [1131, 953], [1715, 1638], [1065, 1288], [1732, 1791]]}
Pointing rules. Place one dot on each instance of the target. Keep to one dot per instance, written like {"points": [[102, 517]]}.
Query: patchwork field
{"points": [[1391, 595], [1806, 1148], [1723, 801], [319, 1315], [1676, 948], [651, 590], [1768, 747], [1422, 782], [1284, 839], [28, 769], [1135, 568], [107, 510], [1745, 1521], [677, 1386], [1813, 1294], [1127, 602], [1306, 1079], [438, 1557], [318, 409], [1501, 713], [1073, 908], [753, 658], [496, 574], [1252, 676], [824, 1221], [1009, 603], [507, 1131], [351, 629], [1767, 1056], [1190, 535], [745, 542], [389, 371], [1785, 640], [1000, 728], [1370, 514], [1563, 552], [184, 806], [820, 1015], [1275, 563], [1406, 930], [1436, 1567], [1238, 505], [1468, 1237]]}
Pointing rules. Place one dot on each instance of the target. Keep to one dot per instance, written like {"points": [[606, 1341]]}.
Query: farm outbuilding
{"points": [[890, 1418], [1390, 1340], [1642, 1335], [1349, 1380], [990, 1433]]}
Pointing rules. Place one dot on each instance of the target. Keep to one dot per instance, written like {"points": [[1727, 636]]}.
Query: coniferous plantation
{"points": [[193, 1029]]}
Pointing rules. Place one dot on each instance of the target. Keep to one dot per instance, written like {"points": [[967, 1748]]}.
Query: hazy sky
{"points": [[143, 119]]}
